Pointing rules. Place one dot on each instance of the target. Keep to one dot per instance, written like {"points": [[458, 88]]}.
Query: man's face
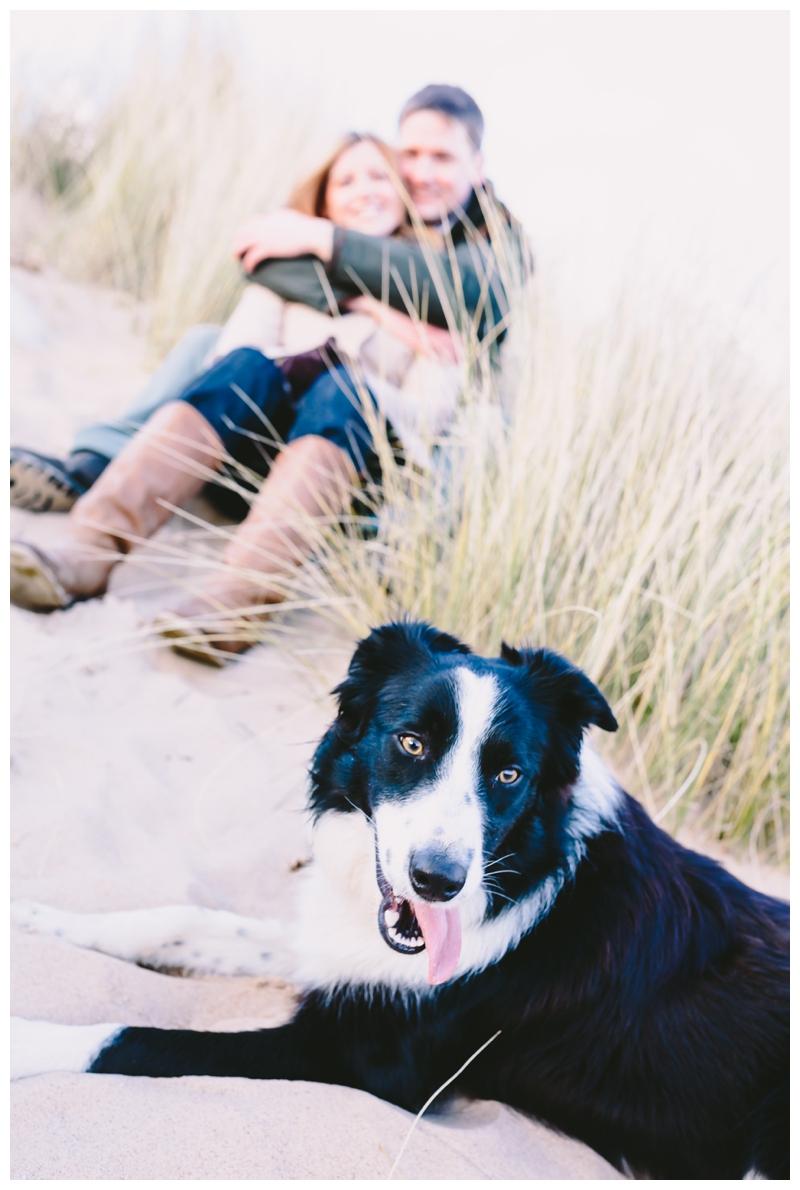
{"points": [[438, 163]]}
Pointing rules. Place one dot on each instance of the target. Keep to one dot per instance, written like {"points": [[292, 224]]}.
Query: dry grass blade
{"points": [[435, 1096]]}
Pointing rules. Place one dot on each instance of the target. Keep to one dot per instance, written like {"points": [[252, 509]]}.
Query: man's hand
{"points": [[432, 341], [280, 234]]}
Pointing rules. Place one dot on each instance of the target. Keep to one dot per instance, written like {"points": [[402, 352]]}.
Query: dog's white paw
{"points": [[80, 929], [35, 918], [24, 915], [40, 1047]]}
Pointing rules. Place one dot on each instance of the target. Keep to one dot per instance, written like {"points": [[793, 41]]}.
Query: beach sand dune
{"points": [[140, 779]]}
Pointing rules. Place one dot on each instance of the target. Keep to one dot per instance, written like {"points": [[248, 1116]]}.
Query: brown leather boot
{"points": [[166, 462], [310, 477]]}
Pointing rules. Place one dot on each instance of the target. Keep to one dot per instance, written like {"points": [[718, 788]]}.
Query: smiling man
{"points": [[441, 132]]}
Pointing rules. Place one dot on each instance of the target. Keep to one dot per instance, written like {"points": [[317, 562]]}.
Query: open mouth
{"points": [[398, 925], [397, 921], [411, 928]]}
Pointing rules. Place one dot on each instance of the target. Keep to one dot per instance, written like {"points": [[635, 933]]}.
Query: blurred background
{"points": [[635, 503], [612, 135]]}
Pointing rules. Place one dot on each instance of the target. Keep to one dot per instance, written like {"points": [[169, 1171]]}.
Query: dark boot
{"points": [[41, 483]]}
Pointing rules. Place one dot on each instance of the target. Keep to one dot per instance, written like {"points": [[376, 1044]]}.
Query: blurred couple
{"points": [[362, 295]]}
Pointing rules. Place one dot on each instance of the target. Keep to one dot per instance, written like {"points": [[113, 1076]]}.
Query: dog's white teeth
{"points": [[404, 940], [391, 917]]}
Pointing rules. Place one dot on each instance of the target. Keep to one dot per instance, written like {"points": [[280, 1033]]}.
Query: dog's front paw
{"points": [[39, 1047], [28, 1047], [34, 918]]}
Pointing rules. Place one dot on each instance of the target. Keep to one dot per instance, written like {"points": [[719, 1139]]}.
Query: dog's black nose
{"points": [[435, 875]]}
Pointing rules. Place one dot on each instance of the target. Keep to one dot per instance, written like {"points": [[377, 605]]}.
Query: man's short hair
{"points": [[449, 101]]}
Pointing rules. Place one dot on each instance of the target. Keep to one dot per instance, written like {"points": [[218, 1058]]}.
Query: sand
{"points": [[141, 779]]}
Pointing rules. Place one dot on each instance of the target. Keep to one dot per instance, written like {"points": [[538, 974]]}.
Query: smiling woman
{"points": [[359, 190], [356, 188]]}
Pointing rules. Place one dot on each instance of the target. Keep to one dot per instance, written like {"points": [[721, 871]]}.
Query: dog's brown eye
{"points": [[411, 744], [509, 776]]}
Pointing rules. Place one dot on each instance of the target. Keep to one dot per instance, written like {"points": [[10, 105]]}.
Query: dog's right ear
{"points": [[387, 651], [559, 684]]}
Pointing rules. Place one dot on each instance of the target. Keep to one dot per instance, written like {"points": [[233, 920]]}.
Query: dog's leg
{"points": [[303, 1049], [369, 1049], [175, 937]]}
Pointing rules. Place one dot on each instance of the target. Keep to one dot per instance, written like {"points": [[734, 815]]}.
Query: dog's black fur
{"points": [[646, 1014]]}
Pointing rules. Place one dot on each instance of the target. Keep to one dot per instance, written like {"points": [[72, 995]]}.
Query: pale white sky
{"points": [[613, 135]]}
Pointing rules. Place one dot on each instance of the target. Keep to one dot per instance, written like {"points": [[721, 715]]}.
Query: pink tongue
{"points": [[441, 929]]}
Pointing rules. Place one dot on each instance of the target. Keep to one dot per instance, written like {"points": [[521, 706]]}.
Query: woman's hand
{"points": [[434, 342], [280, 234]]}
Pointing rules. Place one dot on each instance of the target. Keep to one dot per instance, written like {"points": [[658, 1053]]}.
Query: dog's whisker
{"points": [[492, 885], [502, 896], [490, 867]]}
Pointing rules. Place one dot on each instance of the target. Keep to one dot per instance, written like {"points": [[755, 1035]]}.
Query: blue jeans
{"points": [[245, 397], [254, 408]]}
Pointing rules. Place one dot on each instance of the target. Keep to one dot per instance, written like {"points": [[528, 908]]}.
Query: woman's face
{"points": [[361, 195]]}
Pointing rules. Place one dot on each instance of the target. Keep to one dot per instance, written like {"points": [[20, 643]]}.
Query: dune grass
{"points": [[618, 492]]}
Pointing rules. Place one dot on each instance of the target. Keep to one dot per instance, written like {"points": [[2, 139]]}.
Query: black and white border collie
{"points": [[477, 869]]}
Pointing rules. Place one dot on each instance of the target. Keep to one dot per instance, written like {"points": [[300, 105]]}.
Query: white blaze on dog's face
{"points": [[443, 815], [430, 840]]}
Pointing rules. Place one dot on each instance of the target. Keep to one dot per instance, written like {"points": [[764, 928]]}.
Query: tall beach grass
{"points": [[617, 491]]}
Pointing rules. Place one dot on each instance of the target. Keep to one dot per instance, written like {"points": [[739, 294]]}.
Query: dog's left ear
{"points": [[560, 684], [387, 651]]}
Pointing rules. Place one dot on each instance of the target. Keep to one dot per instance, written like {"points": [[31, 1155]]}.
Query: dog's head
{"points": [[464, 766]]}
